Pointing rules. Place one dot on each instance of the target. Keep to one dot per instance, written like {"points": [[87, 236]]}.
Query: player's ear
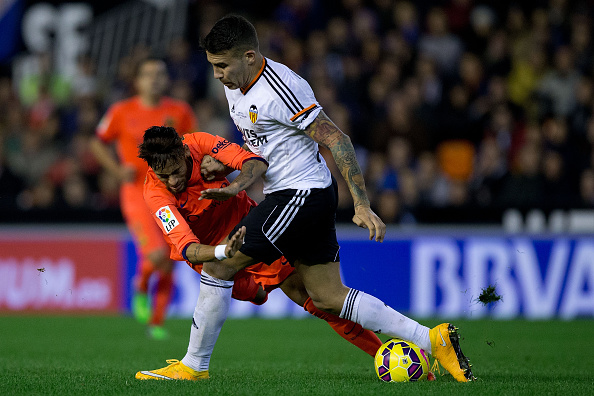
{"points": [[250, 56]]}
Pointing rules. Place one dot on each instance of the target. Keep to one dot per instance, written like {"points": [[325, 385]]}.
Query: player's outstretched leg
{"points": [[374, 315], [176, 370], [445, 347], [353, 332]]}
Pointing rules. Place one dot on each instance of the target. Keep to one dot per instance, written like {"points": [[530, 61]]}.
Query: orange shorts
{"points": [[147, 235], [248, 280]]}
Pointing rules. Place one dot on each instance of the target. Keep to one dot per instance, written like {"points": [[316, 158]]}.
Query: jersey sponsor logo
{"points": [[253, 114], [220, 145], [167, 218], [251, 137]]}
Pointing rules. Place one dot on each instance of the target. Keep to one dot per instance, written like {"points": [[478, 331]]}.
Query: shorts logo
{"points": [[253, 114], [167, 218]]}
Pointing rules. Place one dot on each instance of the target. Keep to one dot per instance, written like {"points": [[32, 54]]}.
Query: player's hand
{"points": [[213, 169], [235, 242], [365, 218], [219, 194], [127, 173]]}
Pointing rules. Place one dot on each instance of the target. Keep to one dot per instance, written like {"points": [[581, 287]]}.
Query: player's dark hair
{"points": [[160, 145], [232, 32], [144, 61]]}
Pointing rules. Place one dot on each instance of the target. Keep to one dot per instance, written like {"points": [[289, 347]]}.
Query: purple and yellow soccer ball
{"points": [[401, 361]]}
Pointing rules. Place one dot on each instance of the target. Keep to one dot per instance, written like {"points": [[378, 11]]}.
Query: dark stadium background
{"points": [[408, 115]]}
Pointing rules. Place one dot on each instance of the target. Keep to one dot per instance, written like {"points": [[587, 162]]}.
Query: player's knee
{"points": [[220, 270], [294, 289], [327, 304], [261, 297]]}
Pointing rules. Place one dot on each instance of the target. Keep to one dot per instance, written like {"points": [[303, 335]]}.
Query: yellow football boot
{"points": [[445, 347], [175, 371]]}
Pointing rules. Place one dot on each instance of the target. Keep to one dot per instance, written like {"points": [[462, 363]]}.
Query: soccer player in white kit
{"points": [[281, 120]]}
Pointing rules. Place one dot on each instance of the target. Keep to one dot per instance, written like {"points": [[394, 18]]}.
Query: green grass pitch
{"points": [[99, 355]]}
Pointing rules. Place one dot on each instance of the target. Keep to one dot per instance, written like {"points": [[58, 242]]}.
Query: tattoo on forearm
{"points": [[323, 131], [195, 253], [250, 171]]}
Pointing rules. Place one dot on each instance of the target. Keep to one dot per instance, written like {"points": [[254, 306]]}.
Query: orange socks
{"points": [[363, 339], [143, 275], [162, 297]]}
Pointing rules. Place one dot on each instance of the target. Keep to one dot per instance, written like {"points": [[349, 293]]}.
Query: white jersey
{"points": [[272, 114]]}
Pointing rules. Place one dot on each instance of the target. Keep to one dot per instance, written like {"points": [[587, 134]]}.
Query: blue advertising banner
{"points": [[432, 275], [429, 276], [425, 273]]}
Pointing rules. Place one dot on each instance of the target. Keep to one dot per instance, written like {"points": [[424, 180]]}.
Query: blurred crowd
{"points": [[450, 104]]}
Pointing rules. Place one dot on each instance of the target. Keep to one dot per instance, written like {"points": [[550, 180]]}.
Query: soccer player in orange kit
{"points": [[124, 124], [173, 188]]}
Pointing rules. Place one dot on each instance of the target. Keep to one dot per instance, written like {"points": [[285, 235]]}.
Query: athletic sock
{"points": [[376, 316], [143, 275], [163, 293], [209, 315], [350, 331]]}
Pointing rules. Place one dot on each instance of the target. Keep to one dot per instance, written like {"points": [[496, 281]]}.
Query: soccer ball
{"points": [[401, 361]]}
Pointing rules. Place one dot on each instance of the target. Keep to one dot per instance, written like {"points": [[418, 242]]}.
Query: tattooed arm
{"points": [[251, 170], [327, 134]]}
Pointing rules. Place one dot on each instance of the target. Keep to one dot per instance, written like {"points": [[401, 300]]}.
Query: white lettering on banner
{"points": [[57, 284], [540, 298], [513, 266], [579, 291], [24, 286], [435, 262]]}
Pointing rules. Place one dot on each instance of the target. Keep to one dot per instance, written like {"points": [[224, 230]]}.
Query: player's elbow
{"points": [[259, 165]]}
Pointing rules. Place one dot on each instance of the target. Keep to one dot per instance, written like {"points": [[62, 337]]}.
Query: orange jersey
{"points": [[185, 219], [126, 121]]}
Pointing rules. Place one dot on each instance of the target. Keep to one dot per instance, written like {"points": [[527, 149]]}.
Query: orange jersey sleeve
{"points": [[163, 206], [221, 149]]}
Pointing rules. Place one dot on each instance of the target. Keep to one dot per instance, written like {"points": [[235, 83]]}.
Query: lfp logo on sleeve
{"points": [[167, 218]]}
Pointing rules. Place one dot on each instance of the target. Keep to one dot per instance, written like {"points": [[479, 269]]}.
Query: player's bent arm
{"points": [[107, 160], [251, 170], [326, 133], [197, 253], [213, 169]]}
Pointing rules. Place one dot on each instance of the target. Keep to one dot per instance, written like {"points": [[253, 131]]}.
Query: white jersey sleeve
{"points": [[296, 105]]}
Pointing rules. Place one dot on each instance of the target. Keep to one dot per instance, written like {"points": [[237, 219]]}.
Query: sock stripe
{"points": [[350, 303], [355, 293], [209, 282]]}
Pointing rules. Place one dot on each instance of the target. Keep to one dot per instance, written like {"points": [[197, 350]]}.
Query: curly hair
{"points": [[161, 144]]}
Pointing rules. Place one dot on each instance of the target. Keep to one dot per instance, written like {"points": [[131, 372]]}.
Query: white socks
{"points": [[374, 315], [209, 315]]}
